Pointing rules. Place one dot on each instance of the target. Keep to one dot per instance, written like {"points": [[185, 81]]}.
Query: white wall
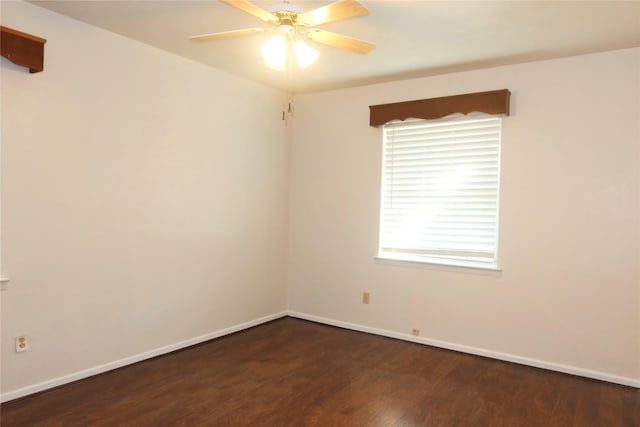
{"points": [[568, 295], [144, 200]]}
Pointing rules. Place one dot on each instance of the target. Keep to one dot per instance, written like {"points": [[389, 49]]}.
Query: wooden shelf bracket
{"points": [[22, 49]]}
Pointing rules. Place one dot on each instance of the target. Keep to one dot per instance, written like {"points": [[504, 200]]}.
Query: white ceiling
{"points": [[413, 38]]}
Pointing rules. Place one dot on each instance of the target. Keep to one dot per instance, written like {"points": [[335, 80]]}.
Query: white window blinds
{"points": [[440, 189]]}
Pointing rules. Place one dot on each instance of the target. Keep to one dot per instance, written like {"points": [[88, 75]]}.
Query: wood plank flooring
{"points": [[291, 372]]}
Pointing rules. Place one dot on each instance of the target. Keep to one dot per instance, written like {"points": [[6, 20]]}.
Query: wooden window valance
{"points": [[22, 49], [492, 102]]}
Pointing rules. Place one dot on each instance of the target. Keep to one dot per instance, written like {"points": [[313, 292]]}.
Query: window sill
{"points": [[451, 266]]}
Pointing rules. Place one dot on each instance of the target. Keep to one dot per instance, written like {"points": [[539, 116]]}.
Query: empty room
{"points": [[320, 213]]}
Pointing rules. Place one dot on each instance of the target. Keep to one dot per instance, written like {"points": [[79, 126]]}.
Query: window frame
{"points": [[495, 102], [447, 248]]}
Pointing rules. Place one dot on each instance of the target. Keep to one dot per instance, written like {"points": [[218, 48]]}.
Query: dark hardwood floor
{"points": [[291, 372]]}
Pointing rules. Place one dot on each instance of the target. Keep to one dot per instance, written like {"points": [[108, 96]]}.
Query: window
{"points": [[440, 191]]}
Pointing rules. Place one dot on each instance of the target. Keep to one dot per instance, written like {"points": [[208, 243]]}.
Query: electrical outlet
{"points": [[365, 297], [415, 331], [21, 343]]}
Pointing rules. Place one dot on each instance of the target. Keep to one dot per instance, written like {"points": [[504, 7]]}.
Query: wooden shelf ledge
{"points": [[23, 49]]}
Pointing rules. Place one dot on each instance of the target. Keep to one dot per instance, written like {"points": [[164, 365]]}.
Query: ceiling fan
{"points": [[293, 26]]}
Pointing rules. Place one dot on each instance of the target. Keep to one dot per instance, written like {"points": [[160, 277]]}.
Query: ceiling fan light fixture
{"points": [[305, 54], [292, 27], [276, 49], [274, 52]]}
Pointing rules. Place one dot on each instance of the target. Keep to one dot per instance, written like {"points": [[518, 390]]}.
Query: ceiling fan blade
{"points": [[227, 34], [252, 9], [339, 41], [332, 12]]}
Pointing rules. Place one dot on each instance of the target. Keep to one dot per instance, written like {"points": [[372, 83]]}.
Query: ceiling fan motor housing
{"points": [[284, 7]]}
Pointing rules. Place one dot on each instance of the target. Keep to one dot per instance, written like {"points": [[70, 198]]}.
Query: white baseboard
{"points": [[55, 382], [603, 376], [135, 358]]}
